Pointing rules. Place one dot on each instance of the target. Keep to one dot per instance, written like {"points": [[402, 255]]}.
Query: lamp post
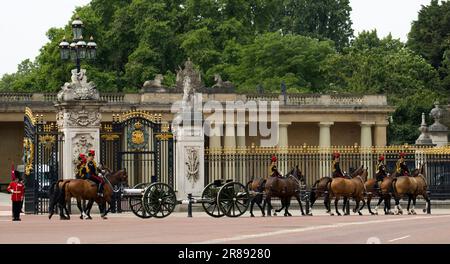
{"points": [[78, 49]]}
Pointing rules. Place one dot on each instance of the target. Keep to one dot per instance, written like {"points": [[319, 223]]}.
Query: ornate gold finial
{"points": [[138, 125]]}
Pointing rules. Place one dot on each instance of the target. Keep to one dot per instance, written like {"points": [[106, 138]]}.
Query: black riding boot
{"points": [[100, 190]]}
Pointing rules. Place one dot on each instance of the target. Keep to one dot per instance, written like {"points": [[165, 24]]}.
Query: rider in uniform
{"points": [[336, 169], [92, 173], [81, 167], [402, 168], [273, 170], [381, 171]]}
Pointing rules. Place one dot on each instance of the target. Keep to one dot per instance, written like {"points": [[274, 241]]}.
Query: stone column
{"points": [[230, 136], [380, 137], [240, 135], [79, 118], [283, 144], [230, 151], [283, 135], [325, 143], [215, 147], [214, 138], [325, 134], [366, 134], [366, 144]]}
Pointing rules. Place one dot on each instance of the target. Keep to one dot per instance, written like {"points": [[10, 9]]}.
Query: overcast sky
{"points": [[23, 23]]}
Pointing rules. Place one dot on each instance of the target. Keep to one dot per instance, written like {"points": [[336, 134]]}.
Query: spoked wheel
{"points": [[211, 206], [159, 200], [233, 199], [136, 205]]}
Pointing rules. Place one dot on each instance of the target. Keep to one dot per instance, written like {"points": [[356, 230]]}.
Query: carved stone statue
{"points": [[194, 76], [192, 164], [154, 85], [221, 84], [437, 114], [78, 89], [424, 138]]}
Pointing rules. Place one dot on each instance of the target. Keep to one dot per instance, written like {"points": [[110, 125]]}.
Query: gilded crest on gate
{"points": [[28, 155], [137, 137]]}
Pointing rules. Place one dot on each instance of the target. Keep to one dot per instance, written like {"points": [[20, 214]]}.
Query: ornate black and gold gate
{"points": [[42, 160], [140, 143]]}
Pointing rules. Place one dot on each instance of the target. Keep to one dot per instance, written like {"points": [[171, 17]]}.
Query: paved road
{"points": [[177, 228]]}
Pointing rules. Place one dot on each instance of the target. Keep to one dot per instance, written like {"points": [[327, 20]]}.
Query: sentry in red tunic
{"points": [[17, 190]]}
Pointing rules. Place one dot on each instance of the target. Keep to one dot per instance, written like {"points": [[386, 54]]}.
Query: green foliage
{"points": [[304, 43], [274, 58], [385, 66], [429, 37], [138, 39]]}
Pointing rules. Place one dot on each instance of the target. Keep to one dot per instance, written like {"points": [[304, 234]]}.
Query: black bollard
{"points": [[190, 205], [307, 203]]}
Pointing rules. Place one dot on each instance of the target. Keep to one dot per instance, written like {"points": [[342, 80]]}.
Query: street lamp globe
{"points": [[81, 46], [77, 28], [91, 49], [64, 47], [73, 51]]}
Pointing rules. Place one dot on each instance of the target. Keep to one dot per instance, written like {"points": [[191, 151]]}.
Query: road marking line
{"points": [[399, 238], [312, 228]]}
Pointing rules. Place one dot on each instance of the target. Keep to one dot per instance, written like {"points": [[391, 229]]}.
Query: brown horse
{"points": [[411, 186], [349, 188], [322, 186], [87, 190], [383, 192], [285, 189]]}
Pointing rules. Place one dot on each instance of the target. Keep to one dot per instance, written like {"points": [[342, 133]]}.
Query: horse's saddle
{"points": [[91, 182]]}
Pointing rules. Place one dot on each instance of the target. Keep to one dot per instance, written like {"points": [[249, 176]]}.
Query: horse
{"points": [[284, 188], [348, 188], [87, 190], [411, 186], [257, 186], [321, 188], [383, 192]]}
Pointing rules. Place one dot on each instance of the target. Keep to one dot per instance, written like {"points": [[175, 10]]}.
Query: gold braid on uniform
{"points": [[333, 166], [399, 162]]}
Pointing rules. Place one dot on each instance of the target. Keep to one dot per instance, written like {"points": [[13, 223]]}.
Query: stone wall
{"points": [[10, 149]]}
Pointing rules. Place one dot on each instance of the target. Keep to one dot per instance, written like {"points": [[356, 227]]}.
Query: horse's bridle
{"points": [[115, 190]]}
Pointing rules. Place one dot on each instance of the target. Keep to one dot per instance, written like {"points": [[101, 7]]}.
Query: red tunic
{"points": [[17, 190]]}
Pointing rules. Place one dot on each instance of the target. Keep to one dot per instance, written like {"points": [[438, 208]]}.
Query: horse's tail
{"points": [[248, 185], [394, 189]]}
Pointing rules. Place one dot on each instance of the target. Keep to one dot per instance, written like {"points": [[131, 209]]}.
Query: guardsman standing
{"points": [[273, 170], [16, 188], [336, 169], [92, 174], [402, 168], [381, 171]]}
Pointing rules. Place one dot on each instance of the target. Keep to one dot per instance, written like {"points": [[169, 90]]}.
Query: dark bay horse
{"points": [[257, 186], [411, 186], [349, 188], [285, 189], [86, 190], [383, 192]]}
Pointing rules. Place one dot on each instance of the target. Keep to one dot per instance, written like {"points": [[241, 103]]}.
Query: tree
{"points": [[274, 58], [429, 35], [321, 19], [386, 66], [139, 38]]}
